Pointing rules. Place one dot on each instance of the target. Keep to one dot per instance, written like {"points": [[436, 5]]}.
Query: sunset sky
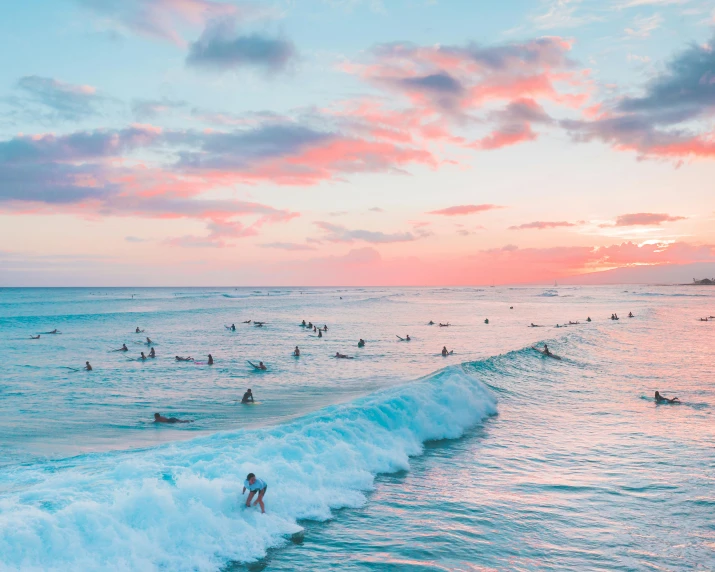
{"points": [[349, 142]]}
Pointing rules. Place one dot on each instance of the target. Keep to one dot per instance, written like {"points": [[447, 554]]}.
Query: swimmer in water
{"points": [[211, 360], [310, 324], [87, 366], [37, 337], [148, 342], [660, 399], [143, 357], [179, 358], [341, 356], [296, 352], [124, 348], [303, 324], [320, 333], [158, 418], [233, 327], [254, 486], [248, 397], [325, 327], [361, 343], [152, 353]]}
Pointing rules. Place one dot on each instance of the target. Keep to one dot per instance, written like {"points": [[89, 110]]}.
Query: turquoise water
{"points": [[494, 458]]}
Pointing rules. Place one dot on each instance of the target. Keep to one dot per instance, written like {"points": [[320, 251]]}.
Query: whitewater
{"points": [[495, 457]]}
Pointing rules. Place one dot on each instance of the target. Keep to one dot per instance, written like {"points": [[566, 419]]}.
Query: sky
{"points": [[354, 142]]}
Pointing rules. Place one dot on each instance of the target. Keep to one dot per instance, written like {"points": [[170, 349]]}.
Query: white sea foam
{"points": [[179, 507]]}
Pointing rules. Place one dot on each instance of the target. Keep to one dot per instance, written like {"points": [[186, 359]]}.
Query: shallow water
{"points": [[579, 469]]}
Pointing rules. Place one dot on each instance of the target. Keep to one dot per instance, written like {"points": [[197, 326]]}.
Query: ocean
{"points": [[494, 457]]}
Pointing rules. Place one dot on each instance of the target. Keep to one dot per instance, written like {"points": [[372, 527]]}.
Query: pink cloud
{"points": [[643, 219], [539, 225], [465, 210]]}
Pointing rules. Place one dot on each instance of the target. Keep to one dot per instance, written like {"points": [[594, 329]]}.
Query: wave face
{"points": [[179, 507]]}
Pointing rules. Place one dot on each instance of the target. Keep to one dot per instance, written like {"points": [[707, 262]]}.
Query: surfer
{"points": [[138, 331], [179, 358], [247, 322], [87, 366], [533, 325], [486, 321], [430, 323], [55, 331], [660, 399], [37, 337], [588, 319], [248, 397], [361, 343], [310, 325], [148, 341], [124, 348], [254, 486], [296, 352], [159, 418], [320, 334], [143, 357], [325, 327], [441, 325], [547, 352], [303, 324], [211, 360], [407, 339], [260, 366], [445, 353], [341, 356], [630, 315], [152, 353], [703, 319]]}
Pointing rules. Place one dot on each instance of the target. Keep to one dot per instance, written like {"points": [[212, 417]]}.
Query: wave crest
{"points": [[179, 507]]}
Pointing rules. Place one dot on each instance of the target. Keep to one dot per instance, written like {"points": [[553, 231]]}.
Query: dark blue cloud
{"points": [[220, 47], [438, 83], [242, 148]]}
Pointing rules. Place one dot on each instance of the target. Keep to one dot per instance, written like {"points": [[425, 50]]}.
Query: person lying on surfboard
{"points": [[248, 397], [159, 418], [660, 399], [37, 337], [179, 358], [341, 356]]}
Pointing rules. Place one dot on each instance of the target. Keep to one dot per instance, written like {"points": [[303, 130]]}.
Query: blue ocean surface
{"points": [[495, 457]]}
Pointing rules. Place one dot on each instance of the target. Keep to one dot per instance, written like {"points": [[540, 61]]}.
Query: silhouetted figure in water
{"points": [[124, 348], [37, 337], [87, 366], [248, 397], [143, 357], [152, 353], [158, 418], [296, 352], [341, 356], [211, 360], [660, 399], [361, 343]]}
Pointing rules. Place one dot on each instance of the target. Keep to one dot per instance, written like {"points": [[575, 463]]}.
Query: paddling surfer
{"points": [[660, 399], [159, 418]]}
